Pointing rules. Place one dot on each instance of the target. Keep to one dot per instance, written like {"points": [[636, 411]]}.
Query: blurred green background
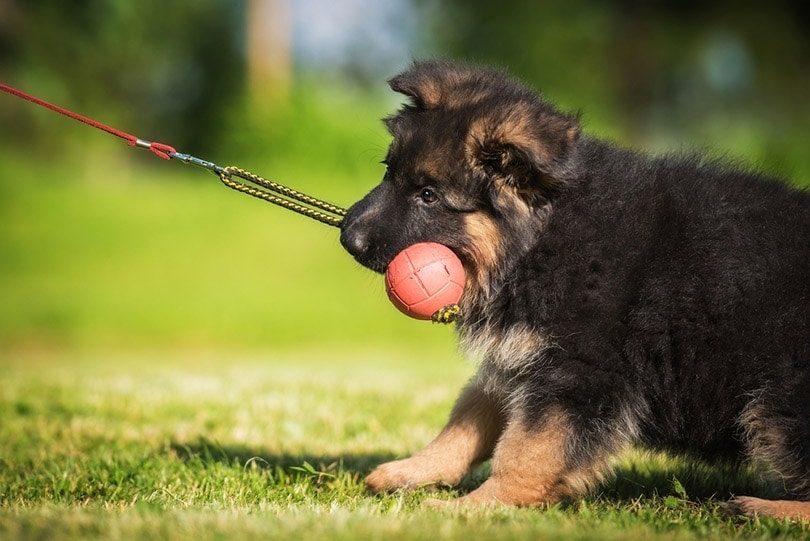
{"points": [[106, 247]]}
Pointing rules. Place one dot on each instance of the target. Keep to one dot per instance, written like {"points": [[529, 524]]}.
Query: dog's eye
{"points": [[428, 195]]}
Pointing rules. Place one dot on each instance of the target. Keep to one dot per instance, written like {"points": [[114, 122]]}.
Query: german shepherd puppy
{"points": [[613, 299]]}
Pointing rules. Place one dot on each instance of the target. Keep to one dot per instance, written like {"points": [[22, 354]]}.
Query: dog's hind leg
{"points": [[781, 440], [779, 509], [468, 439]]}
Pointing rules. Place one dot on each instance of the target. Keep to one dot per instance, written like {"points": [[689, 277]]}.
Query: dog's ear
{"points": [[433, 84], [515, 136], [529, 147], [423, 90]]}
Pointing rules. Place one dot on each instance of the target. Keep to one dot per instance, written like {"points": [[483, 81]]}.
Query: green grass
{"points": [[272, 446], [178, 361]]}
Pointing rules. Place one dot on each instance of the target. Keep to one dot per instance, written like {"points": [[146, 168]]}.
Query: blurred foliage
{"points": [[727, 75], [148, 262], [169, 68], [115, 248], [101, 244]]}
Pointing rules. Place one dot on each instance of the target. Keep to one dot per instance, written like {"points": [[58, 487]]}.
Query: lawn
{"points": [[178, 361], [220, 445]]}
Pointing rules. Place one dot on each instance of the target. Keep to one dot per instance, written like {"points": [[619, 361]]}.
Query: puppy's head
{"points": [[475, 162]]}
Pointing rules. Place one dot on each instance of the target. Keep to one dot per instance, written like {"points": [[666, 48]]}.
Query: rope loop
{"points": [[293, 200]]}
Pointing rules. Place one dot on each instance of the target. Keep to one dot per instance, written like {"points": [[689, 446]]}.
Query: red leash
{"points": [[288, 198], [159, 149]]}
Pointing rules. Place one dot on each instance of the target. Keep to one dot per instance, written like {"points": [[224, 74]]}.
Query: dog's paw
{"points": [[393, 476], [436, 503], [408, 474], [778, 509], [459, 504]]}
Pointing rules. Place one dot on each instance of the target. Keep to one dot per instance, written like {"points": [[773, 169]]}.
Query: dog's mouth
{"points": [[377, 266], [380, 260], [365, 253], [365, 249]]}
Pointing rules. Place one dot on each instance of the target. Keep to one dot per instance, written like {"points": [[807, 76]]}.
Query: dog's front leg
{"points": [[468, 439], [531, 466]]}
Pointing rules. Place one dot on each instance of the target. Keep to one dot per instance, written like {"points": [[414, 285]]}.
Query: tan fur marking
{"points": [[477, 136], [449, 89], [518, 129], [430, 93], [433, 165], [468, 439], [779, 509], [528, 466], [484, 246], [509, 350]]}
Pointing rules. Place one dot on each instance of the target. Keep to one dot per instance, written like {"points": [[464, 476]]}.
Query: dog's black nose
{"points": [[354, 230], [363, 230], [354, 242]]}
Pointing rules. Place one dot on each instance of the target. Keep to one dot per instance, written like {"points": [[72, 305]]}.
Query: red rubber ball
{"points": [[424, 278]]}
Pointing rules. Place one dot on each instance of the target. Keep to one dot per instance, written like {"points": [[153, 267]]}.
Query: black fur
{"points": [[670, 295]]}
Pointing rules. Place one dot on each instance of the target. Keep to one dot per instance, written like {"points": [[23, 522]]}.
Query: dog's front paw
{"points": [[410, 474]]}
